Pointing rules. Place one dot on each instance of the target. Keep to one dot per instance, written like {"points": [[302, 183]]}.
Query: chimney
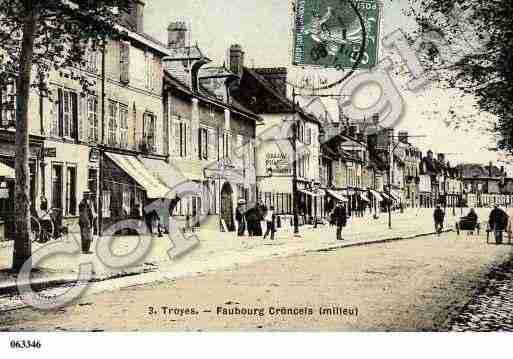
{"points": [[277, 76], [403, 137], [490, 173], [134, 20], [441, 158], [176, 34], [236, 59]]}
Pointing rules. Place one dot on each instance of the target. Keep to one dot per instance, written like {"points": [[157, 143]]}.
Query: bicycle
{"points": [[42, 230]]}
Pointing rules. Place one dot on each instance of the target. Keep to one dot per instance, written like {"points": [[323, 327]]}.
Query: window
{"points": [[92, 118], [150, 72], [124, 62], [149, 137], [113, 123], [92, 60], [8, 105], [57, 186], [211, 113], [123, 126], [126, 201], [181, 130], [203, 143], [71, 191], [68, 114], [226, 145], [106, 204]]}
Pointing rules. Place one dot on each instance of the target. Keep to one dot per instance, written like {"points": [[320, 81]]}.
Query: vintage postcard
{"points": [[223, 165]]}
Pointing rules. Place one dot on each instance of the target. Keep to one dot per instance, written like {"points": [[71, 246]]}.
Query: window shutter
{"points": [[189, 139], [60, 96], [74, 126], [205, 143], [212, 143], [177, 134], [124, 48], [200, 147]]}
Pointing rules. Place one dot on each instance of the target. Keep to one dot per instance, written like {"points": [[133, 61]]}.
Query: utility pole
{"points": [[294, 164]]}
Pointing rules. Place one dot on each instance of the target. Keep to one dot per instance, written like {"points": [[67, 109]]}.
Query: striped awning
{"points": [[387, 197], [376, 195], [363, 196], [136, 169], [337, 195], [6, 171]]}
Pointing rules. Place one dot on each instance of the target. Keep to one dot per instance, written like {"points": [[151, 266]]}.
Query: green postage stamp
{"points": [[333, 33]]}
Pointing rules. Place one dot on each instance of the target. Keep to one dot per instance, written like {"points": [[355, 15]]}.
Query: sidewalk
{"points": [[217, 251]]}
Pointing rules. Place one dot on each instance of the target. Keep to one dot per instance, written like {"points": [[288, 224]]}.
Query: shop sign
{"points": [[4, 191], [277, 163], [49, 152], [94, 155]]}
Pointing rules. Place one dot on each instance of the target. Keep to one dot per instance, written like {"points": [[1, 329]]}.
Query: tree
{"points": [[39, 36], [468, 45]]}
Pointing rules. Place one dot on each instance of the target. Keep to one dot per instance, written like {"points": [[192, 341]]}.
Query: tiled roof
{"points": [[182, 87], [288, 105]]}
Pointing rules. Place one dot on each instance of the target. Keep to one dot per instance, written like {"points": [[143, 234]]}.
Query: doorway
{"points": [[227, 206]]}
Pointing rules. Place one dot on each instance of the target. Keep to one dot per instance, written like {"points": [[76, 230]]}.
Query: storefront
{"points": [[128, 189], [7, 179]]}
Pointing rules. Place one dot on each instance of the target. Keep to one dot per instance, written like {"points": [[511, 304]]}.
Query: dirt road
{"points": [[400, 286]]}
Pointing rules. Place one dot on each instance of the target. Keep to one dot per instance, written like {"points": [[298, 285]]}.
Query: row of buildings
{"points": [[160, 115]]}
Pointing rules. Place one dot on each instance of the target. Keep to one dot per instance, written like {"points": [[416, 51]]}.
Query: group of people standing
{"points": [[251, 220], [498, 222]]}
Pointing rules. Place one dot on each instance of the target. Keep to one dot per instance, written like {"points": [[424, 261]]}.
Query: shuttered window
{"points": [[124, 59], [123, 126], [176, 134], [8, 105], [92, 118], [68, 114], [113, 123], [203, 143]]}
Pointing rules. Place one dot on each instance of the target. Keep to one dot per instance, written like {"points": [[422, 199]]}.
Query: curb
{"points": [[42, 284], [377, 241]]}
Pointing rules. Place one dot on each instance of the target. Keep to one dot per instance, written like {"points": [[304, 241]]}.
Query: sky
{"points": [[263, 29]]}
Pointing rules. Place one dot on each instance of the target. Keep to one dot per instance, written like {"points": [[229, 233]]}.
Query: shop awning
{"points": [[136, 169], [396, 195], [337, 195], [387, 197], [364, 197], [6, 171], [376, 195], [317, 193]]}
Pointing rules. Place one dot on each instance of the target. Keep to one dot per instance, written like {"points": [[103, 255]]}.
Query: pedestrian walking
{"points": [[439, 216], [340, 219], [270, 219], [260, 211], [239, 217], [252, 217], [85, 222], [509, 227], [498, 222]]}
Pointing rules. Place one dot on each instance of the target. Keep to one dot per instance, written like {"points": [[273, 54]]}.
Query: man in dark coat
{"points": [[252, 217], [241, 222], [498, 221], [438, 217], [85, 222], [340, 219]]}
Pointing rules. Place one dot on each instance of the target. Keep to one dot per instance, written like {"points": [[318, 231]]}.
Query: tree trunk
{"points": [[22, 244]]}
